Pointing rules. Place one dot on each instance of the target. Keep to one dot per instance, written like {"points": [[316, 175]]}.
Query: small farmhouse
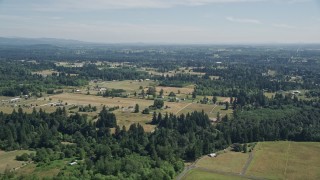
{"points": [[212, 155]]}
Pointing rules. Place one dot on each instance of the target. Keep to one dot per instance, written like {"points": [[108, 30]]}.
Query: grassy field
{"points": [[184, 90], [67, 64], [210, 109], [45, 72], [46, 170], [226, 162], [124, 114], [203, 175], [301, 96], [7, 159], [181, 70], [286, 160], [26, 104], [129, 86], [271, 160]]}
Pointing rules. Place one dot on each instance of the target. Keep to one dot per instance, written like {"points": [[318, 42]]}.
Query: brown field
{"points": [[45, 72], [127, 118], [7, 159], [124, 115], [181, 70], [127, 85], [210, 109], [67, 64], [80, 99], [27, 105], [269, 95], [185, 90]]}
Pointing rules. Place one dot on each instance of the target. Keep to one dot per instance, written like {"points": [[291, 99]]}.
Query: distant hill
{"points": [[40, 41]]}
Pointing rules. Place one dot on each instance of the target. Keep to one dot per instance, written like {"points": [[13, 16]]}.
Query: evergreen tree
{"points": [[136, 108]]}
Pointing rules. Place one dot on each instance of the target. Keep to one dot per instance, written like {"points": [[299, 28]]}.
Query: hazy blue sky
{"points": [[166, 21]]}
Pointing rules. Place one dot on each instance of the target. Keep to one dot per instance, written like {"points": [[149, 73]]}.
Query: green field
{"points": [[226, 162], [271, 160], [8, 160], [46, 170], [203, 175], [286, 160]]}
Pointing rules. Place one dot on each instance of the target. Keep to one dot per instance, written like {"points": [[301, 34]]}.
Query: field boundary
{"points": [[287, 159], [183, 108], [246, 166], [194, 167], [213, 108]]}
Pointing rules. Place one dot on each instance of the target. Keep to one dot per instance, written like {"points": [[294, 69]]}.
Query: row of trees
{"points": [[136, 154]]}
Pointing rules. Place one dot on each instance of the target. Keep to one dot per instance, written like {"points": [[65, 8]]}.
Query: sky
{"points": [[164, 21]]}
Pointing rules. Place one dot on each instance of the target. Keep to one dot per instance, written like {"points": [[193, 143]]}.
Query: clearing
{"points": [[8, 159], [286, 160], [205, 175], [271, 160]]}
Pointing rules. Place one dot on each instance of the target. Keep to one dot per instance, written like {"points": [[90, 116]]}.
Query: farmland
{"points": [[124, 114], [286, 160], [225, 162], [204, 175], [147, 112], [127, 85], [8, 160], [48, 170], [271, 160]]}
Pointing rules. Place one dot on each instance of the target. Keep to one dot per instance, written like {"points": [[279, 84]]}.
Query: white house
{"points": [[73, 163], [212, 155], [103, 89]]}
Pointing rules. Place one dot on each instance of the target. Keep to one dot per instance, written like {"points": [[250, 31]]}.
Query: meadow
{"points": [[271, 160], [229, 161], [286, 160], [8, 160], [204, 175]]}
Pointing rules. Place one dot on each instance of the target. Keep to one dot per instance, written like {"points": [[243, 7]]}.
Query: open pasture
{"points": [[8, 160], [46, 171], [205, 175], [271, 160], [181, 70], [127, 85], [211, 109], [124, 114], [184, 90], [45, 73], [69, 64], [286, 160], [230, 161], [26, 104]]}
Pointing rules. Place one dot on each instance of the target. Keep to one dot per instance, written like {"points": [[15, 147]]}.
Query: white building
{"points": [[212, 155]]}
